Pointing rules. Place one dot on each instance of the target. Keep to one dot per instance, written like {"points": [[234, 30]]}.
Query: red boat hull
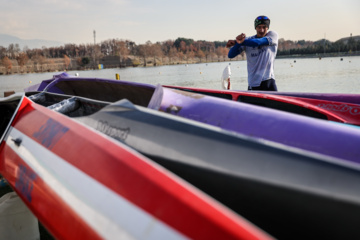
{"points": [[82, 185]]}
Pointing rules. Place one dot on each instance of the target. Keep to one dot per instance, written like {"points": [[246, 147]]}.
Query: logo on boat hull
{"points": [[112, 131], [50, 133], [24, 182], [341, 108]]}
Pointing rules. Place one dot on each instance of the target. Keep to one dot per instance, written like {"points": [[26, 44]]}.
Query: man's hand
{"points": [[240, 38], [230, 43]]}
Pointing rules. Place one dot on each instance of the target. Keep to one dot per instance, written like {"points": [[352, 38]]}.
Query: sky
{"points": [[160, 20]]}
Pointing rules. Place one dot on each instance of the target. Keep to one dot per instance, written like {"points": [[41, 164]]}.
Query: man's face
{"points": [[261, 30]]}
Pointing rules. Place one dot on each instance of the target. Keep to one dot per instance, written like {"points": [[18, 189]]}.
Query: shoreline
{"points": [[151, 63]]}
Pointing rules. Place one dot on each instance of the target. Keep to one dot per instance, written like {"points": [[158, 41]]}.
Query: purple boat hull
{"points": [[323, 137], [319, 136], [96, 88]]}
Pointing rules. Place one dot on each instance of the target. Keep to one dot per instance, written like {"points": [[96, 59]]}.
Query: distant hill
{"points": [[346, 39], [6, 40]]}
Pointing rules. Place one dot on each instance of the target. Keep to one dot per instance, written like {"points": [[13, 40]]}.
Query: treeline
{"points": [[124, 53], [345, 45], [180, 50]]}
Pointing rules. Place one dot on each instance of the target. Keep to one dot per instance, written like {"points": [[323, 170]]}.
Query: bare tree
{"points": [[181, 55], [39, 59], [6, 62], [172, 54], [200, 54], [225, 52], [67, 61], [13, 50], [222, 52], [155, 51], [2, 52], [144, 51], [123, 51], [189, 56], [22, 59]]}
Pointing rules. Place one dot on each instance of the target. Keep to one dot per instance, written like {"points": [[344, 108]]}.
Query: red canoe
{"points": [[80, 184], [318, 108]]}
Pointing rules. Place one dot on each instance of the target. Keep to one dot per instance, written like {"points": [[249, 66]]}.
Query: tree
{"points": [[39, 59], [123, 51], [187, 42], [22, 59], [181, 56], [225, 52], [143, 51], [6, 62], [222, 52], [13, 50], [166, 46], [67, 61], [2, 52], [155, 51], [172, 54], [182, 46], [189, 55], [200, 54], [219, 53]]}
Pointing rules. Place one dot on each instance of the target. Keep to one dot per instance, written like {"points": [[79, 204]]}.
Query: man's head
{"points": [[262, 24]]}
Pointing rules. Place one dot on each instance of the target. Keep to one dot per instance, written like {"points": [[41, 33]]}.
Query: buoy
{"points": [[200, 72]]}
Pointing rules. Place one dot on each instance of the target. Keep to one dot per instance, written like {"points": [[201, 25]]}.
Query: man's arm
{"points": [[256, 42], [236, 45], [235, 50]]}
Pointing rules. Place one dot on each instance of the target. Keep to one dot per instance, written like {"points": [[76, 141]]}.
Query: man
{"points": [[260, 52]]}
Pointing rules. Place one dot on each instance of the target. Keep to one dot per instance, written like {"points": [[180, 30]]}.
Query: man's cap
{"points": [[262, 20]]}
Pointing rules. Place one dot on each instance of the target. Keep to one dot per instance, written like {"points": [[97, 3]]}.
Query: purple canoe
{"points": [[323, 137]]}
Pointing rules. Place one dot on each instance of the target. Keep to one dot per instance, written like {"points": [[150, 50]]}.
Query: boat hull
{"points": [[268, 184], [264, 123], [318, 107], [332, 139], [99, 188]]}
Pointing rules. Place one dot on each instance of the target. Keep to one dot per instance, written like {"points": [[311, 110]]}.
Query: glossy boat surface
{"points": [[274, 186], [332, 110], [81, 184]]}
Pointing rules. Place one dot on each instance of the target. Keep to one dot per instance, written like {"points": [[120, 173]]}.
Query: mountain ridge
{"points": [[6, 40]]}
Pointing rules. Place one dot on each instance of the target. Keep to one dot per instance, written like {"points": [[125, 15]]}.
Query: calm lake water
{"points": [[328, 75]]}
